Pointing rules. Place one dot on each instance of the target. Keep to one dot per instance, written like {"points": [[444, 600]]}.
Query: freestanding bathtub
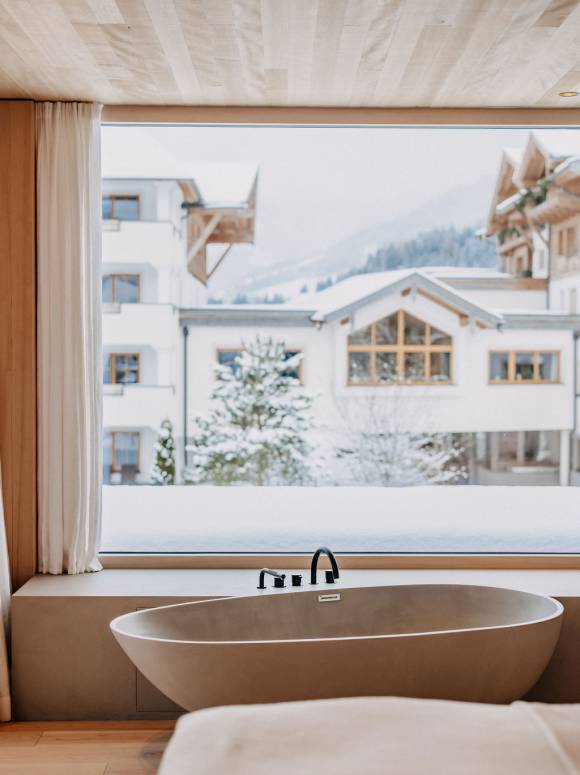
{"points": [[481, 644]]}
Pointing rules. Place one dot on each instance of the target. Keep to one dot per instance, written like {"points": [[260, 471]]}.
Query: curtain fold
{"points": [[69, 336], [5, 709]]}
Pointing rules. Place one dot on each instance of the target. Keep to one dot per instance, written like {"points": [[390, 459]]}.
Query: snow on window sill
{"points": [[351, 520]]}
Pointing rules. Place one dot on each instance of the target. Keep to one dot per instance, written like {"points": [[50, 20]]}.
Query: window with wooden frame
{"points": [[122, 369], [229, 357], [530, 367], [399, 349], [121, 450], [570, 241], [121, 207], [121, 288], [567, 241]]}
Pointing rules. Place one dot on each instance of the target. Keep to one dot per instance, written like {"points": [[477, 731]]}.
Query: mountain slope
{"points": [[459, 207]]}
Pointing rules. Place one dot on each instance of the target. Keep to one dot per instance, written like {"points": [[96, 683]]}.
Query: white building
{"points": [[449, 351], [490, 355], [156, 229]]}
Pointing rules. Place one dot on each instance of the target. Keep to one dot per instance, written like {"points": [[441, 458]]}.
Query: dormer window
{"points": [[120, 207], [399, 349]]}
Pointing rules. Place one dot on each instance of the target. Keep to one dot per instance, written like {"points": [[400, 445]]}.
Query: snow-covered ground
{"points": [[348, 519]]}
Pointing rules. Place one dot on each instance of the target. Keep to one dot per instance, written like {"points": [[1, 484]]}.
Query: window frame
{"points": [[401, 349], [112, 359], [511, 380], [122, 197], [117, 469], [114, 276], [159, 115]]}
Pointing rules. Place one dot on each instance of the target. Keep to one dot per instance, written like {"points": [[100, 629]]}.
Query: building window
{"points": [[531, 367], [229, 358], [121, 288], [399, 348], [121, 207], [570, 241], [121, 369], [121, 451], [567, 241]]}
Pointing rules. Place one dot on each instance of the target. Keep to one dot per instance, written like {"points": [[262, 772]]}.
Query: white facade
{"points": [[154, 249], [175, 338]]}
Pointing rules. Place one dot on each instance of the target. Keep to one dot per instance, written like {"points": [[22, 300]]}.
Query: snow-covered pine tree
{"points": [[256, 431], [164, 466]]}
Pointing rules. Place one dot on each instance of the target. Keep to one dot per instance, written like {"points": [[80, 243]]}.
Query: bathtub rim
{"points": [[120, 633]]}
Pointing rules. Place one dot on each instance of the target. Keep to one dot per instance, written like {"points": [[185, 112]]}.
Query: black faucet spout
{"points": [[314, 564], [267, 571]]}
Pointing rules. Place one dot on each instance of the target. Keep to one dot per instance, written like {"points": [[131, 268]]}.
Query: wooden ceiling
{"points": [[371, 53]]}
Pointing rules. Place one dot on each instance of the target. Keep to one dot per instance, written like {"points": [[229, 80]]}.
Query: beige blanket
{"points": [[377, 736]]}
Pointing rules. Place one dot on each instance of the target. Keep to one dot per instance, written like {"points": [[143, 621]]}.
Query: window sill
{"points": [[363, 562]]}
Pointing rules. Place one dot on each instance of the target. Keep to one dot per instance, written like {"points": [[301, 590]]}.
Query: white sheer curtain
{"points": [[69, 336], [5, 712]]}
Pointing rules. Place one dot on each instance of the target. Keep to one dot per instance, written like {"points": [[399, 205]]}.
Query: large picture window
{"points": [[309, 334], [399, 349]]}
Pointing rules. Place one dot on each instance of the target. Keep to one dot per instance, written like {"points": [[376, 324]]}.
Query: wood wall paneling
{"points": [[360, 53], [18, 334]]}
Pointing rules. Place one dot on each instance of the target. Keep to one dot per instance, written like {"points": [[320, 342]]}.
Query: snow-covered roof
{"points": [[345, 297], [223, 182], [144, 158], [348, 291], [558, 143], [356, 291]]}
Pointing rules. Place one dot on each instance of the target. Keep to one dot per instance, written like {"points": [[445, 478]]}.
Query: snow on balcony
{"points": [[349, 519]]}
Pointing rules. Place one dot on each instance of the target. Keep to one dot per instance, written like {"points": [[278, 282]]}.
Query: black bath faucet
{"points": [[314, 565], [278, 578]]}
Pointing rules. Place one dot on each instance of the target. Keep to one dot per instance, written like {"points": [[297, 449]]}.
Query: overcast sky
{"points": [[318, 186]]}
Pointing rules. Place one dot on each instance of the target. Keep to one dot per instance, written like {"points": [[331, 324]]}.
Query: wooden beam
{"points": [[199, 269], [220, 259], [18, 335], [463, 318], [186, 114]]}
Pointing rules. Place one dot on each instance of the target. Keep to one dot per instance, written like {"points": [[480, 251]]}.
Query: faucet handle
{"points": [[329, 575], [279, 581]]}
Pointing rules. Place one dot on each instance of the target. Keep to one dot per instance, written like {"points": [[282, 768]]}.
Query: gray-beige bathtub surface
{"points": [[473, 643]]}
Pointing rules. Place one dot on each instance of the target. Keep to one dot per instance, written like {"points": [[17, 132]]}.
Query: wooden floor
{"points": [[83, 747]]}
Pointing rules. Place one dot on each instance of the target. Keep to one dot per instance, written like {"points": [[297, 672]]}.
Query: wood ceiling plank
{"points": [[168, 29], [351, 48], [78, 11], [568, 82], [249, 25], [364, 53], [557, 56], [329, 25], [197, 34], [106, 11], [423, 70], [556, 13], [383, 25], [301, 35], [413, 17], [504, 57]]}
